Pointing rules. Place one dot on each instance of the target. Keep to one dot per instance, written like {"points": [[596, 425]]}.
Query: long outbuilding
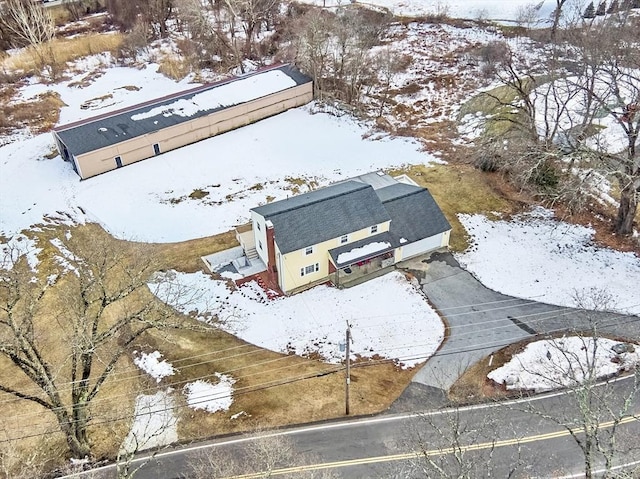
{"points": [[112, 140]]}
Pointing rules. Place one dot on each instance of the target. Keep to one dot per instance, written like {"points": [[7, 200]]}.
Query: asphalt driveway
{"points": [[481, 321]]}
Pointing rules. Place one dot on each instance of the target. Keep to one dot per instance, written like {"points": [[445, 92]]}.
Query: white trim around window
{"points": [[308, 250], [310, 269]]}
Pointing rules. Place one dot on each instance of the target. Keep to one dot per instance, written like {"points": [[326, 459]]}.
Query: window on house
{"points": [[156, 149], [374, 229], [259, 244], [118, 161], [308, 250], [258, 226], [312, 268], [344, 239]]}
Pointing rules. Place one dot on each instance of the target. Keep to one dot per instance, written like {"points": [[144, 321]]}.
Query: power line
{"points": [[136, 371], [249, 389], [487, 332]]}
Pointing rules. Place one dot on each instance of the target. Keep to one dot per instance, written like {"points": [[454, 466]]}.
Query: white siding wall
{"points": [[422, 246], [259, 231]]}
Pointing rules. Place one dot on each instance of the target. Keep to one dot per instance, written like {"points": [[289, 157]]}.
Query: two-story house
{"points": [[346, 230]]}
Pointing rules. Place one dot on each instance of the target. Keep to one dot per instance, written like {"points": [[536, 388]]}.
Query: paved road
{"points": [[482, 321], [504, 437]]}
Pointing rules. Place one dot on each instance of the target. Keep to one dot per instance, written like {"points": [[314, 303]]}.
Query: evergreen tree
{"points": [[590, 11], [602, 8], [614, 7]]}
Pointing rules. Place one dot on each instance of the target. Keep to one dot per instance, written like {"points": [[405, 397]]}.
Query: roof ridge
{"points": [[419, 189], [158, 100], [319, 200]]}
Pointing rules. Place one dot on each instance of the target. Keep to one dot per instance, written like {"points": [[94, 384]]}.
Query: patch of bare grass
{"points": [[458, 189], [95, 102], [267, 382], [474, 386], [64, 50], [185, 256], [174, 67], [40, 114], [296, 184], [198, 194]]}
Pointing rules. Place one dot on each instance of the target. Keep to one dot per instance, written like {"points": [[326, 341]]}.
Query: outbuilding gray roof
{"points": [[115, 127], [323, 214], [414, 213]]}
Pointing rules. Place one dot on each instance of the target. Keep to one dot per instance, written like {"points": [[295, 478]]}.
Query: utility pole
{"points": [[348, 372]]}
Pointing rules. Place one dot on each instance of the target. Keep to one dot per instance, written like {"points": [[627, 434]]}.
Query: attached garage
{"points": [[122, 137], [423, 246], [417, 222]]}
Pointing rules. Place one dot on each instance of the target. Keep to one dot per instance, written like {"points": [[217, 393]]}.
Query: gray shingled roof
{"points": [[414, 213], [323, 214], [113, 128]]}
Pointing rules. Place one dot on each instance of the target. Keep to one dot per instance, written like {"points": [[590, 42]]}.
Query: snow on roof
{"points": [[365, 250], [233, 93], [115, 127]]}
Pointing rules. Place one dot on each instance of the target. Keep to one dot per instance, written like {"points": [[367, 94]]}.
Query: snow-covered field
{"points": [[554, 363], [149, 201], [389, 317], [537, 257]]}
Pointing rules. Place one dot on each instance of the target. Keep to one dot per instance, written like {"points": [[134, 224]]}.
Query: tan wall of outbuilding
{"points": [[141, 148]]}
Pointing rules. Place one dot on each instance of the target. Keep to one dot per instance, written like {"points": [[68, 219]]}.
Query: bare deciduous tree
{"points": [[251, 15], [449, 445], [207, 30], [97, 300], [28, 24], [77, 8], [594, 412], [262, 456], [556, 114], [335, 50]]}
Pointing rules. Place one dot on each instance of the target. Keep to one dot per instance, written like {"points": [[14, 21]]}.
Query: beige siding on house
{"points": [[293, 262], [141, 148]]}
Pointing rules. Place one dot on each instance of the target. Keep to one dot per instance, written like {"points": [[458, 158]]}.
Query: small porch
{"points": [[247, 240], [234, 263], [362, 273]]}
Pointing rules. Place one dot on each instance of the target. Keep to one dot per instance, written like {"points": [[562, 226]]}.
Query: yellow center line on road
{"points": [[417, 454]]}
